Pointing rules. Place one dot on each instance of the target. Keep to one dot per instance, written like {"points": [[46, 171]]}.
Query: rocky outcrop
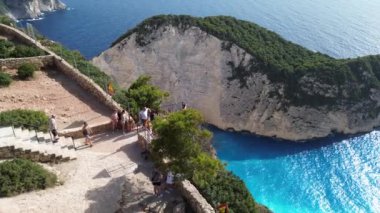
{"points": [[30, 9], [206, 73]]}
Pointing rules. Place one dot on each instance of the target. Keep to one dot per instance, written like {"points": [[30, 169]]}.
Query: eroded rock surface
{"points": [[216, 77], [26, 9]]}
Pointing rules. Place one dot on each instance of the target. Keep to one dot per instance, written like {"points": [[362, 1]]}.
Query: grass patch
{"points": [[30, 119], [20, 175], [10, 49], [5, 79]]}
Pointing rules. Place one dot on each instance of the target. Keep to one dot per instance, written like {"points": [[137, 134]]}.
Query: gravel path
{"points": [[93, 182], [52, 92]]}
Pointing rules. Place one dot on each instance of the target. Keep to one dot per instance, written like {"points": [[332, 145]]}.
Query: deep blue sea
{"points": [[331, 175]]}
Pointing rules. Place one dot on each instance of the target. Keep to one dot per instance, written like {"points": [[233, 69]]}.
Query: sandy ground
{"points": [[52, 92], [93, 182]]}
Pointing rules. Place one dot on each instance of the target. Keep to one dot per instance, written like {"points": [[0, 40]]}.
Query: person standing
{"points": [[53, 128], [184, 106], [123, 119], [169, 180], [144, 116], [114, 120], [156, 181], [86, 133]]}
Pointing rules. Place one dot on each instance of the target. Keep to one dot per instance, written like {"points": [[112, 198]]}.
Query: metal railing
{"points": [[34, 127]]}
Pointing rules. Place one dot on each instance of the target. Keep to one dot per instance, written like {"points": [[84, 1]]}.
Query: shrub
{"points": [[6, 20], [8, 49], [5, 79], [27, 118], [19, 175], [26, 71], [143, 94], [181, 141], [228, 188], [21, 51]]}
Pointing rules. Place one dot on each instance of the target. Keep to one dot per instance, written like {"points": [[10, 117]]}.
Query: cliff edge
{"points": [[244, 77], [27, 9]]}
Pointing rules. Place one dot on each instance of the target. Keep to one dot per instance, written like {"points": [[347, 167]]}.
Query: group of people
{"points": [[118, 119], [160, 182], [53, 130]]}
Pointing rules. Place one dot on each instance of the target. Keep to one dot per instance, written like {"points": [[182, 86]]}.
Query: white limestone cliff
{"points": [[30, 9], [196, 67]]}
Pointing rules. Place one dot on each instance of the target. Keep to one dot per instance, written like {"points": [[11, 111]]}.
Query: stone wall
{"points": [[197, 202], [39, 61], [77, 132], [13, 35], [86, 83]]}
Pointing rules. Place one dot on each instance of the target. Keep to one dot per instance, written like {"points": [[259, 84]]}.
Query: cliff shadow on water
{"points": [[240, 146]]}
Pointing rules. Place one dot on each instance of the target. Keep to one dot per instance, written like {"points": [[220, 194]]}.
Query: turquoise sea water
{"points": [[331, 175]]}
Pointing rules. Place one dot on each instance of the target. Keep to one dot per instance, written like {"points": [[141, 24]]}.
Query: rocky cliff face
{"points": [[24, 9], [200, 69]]}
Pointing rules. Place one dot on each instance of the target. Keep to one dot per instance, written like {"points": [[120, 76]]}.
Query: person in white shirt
{"points": [[144, 116], [53, 128], [169, 183]]}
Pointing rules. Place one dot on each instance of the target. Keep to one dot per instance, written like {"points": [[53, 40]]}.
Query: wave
{"points": [[35, 19]]}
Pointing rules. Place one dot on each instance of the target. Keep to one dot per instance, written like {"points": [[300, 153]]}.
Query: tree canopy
{"points": [[182, 142], [141, 94]]}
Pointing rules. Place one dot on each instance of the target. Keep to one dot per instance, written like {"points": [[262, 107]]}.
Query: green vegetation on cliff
{"points": [[283, 61], [10, 49], [184, 144], [140, 94]]}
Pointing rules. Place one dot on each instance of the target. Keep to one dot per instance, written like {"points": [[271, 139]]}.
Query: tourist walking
{"points": [[184, 106], [53, 128], [86, 130], [169, 180], [144, 116], [114, 120], [123, 120], [156, 181]]}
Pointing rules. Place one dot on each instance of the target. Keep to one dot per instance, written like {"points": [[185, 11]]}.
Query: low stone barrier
{"points": [[39, 61], [77, 132], [86, 83], [11, 34], [197, 202]]}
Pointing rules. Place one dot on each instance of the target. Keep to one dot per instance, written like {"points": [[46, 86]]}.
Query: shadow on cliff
{"points": [[234, 146]]}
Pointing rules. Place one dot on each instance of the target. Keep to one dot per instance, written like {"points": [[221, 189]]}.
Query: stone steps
{"points": [[38, 146]]}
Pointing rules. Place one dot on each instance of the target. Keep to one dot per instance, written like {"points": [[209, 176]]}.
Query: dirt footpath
{"points": [[54, 93]]}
